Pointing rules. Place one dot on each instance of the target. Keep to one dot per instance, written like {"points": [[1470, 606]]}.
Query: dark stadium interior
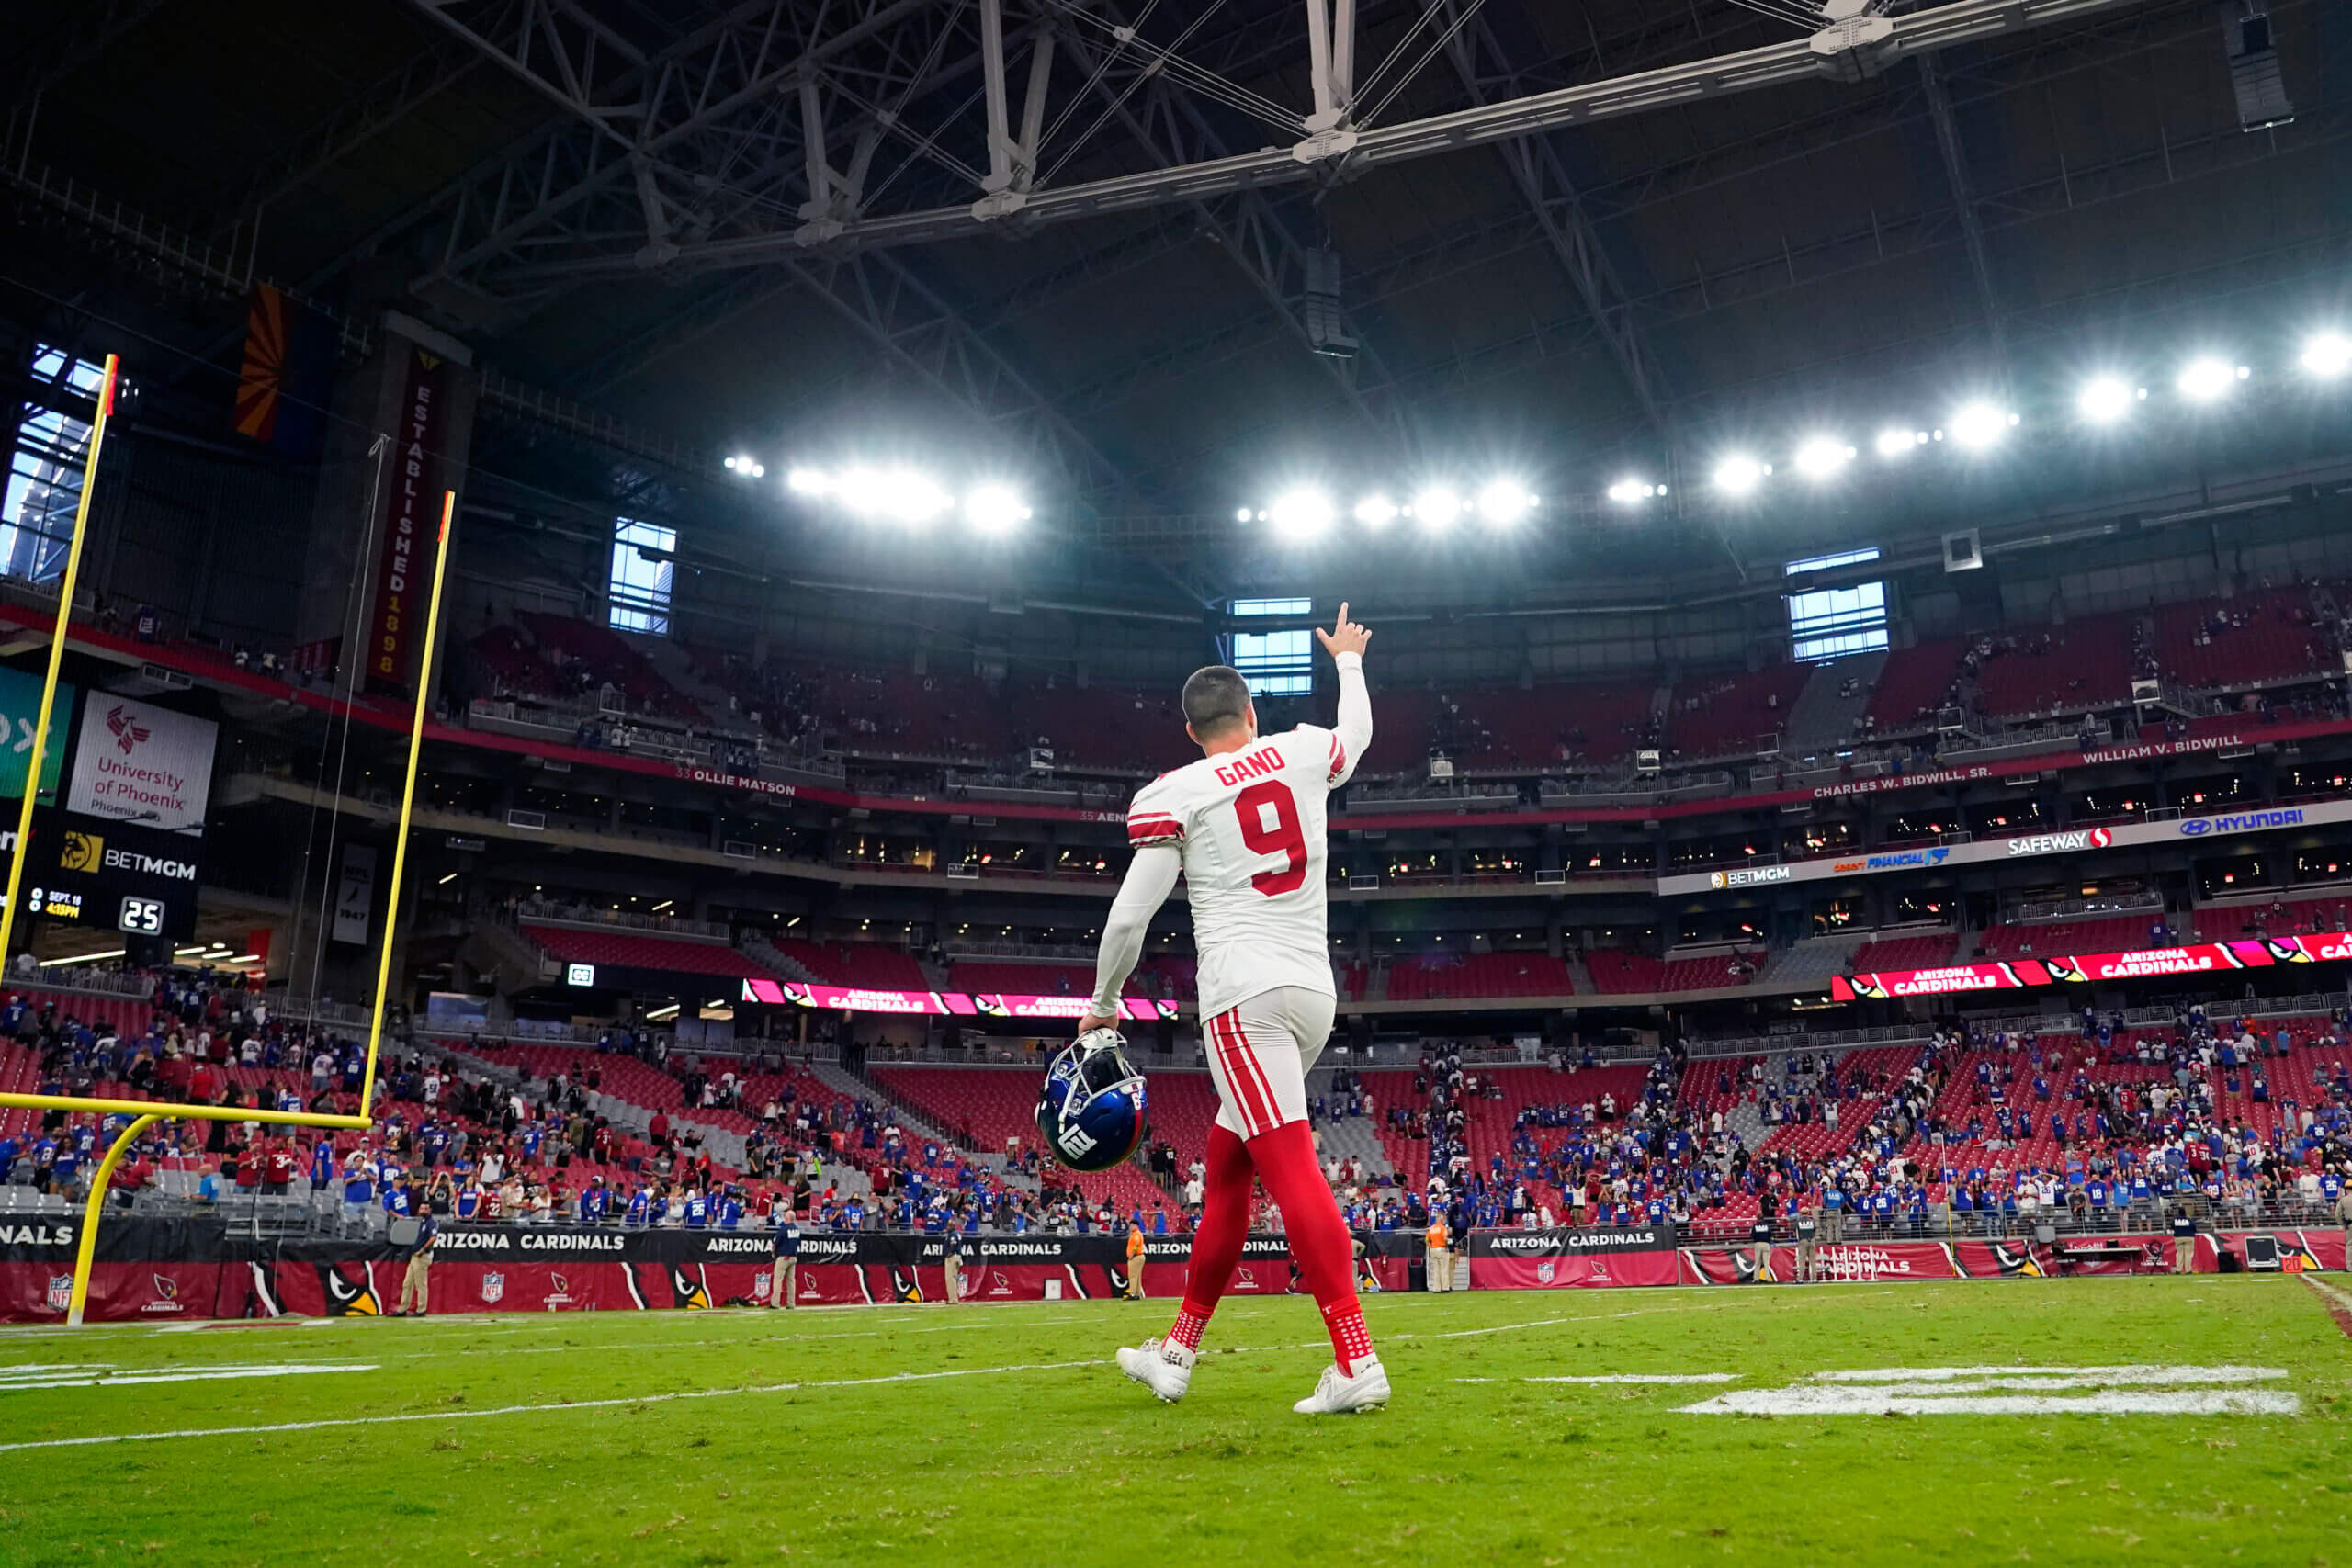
{"points": [[1902, 587]]}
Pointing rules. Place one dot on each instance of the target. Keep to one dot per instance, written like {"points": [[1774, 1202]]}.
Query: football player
{"points": [[1245, 825]]}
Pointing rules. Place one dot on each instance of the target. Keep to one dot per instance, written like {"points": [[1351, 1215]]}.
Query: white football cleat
{"points": [[1337, 1395], [1162, 1366]]}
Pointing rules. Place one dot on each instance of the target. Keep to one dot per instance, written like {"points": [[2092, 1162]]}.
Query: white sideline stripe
{"points": [[2328, 1290], [530, 1409], [10, 1382]]}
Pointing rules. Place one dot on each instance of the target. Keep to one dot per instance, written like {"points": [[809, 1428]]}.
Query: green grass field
{"points": [[1001, 1435]]}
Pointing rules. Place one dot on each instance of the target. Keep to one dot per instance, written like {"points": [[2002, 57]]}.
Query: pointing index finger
{"points": [[1343, 616]]}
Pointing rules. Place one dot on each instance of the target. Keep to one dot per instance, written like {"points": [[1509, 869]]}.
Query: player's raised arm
{"points": [[1151, 876], [1345, 642]]}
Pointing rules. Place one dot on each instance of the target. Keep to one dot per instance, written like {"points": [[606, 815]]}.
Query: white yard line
{"points": [[99, 1377], [631, 1401]]}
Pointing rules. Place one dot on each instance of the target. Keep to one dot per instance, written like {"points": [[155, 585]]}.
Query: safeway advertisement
{"points": [[136, 762]]}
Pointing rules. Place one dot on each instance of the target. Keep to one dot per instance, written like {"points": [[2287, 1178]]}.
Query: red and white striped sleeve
{"points": [[1154, 819]]}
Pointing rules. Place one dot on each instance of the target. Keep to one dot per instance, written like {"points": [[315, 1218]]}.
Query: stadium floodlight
{"points": [[1243, 515], [1375, 511], [1821, 457], [2206, 379], [1504, 502], [1437, 507], [1740, 475], [1978, 426], [2328, 354], [994, 509], [808, 482], [898, 494], [1301, 514], [1632, 493], [2106, 399], [1893, 443]]}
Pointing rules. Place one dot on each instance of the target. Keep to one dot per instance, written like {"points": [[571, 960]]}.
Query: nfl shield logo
{"points": [[760, 1286], [61, 1292], [1544, 1272], [493, 1288]]}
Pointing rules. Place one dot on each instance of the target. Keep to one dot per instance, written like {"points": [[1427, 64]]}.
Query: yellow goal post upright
{"points": [[144, 1115]]}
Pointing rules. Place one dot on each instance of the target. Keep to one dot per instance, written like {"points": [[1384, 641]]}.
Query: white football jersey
{"points": [[1250, 823]]}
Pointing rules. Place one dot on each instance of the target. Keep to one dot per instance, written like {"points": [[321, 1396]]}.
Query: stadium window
{"points": [[638, 597], [1275, 664], [45, 469], [1829, 623], [1862, 557]]}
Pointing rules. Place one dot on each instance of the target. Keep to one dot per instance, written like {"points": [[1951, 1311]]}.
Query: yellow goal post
{"points": [[143, 1113]]}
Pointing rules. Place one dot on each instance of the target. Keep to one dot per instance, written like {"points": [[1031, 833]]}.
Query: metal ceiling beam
{"points": [[693, 107], [1535, 169], [920, 332], [1255, 238], [2174, 159], [1963, 198], [1849, 50], [881, 297]]}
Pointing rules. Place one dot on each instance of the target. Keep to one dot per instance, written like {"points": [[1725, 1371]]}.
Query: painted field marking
{"points": [[630, 1402], [2136, 1390], [2339, 1305], [15, 1378]]}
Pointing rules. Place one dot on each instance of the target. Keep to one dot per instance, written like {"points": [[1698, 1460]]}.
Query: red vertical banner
{"points": [[409, 522]]}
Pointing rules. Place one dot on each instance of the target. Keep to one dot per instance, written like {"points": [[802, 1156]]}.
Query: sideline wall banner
{"points": [[1554, 1260], [155, 1270], [2059, 969]]}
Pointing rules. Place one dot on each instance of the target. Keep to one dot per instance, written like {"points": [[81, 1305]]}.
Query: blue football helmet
{"points": [[1091, 1108]]}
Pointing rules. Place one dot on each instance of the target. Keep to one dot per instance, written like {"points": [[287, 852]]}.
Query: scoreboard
{"points": [[120, 847], [111, 876]]}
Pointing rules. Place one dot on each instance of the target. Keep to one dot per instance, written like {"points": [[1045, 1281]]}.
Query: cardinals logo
{"points": [[128, 731], [2015, 1262], [687, 1291], [167, 1293], [904, 1286], [347, 1297], [1754, 1266]]}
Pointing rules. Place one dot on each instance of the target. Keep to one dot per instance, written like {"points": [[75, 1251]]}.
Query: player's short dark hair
{"points": [[1214, 699]]}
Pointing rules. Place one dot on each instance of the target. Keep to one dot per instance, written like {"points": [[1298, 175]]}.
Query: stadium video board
{"points": [[2059, 969], [940, 1004]]}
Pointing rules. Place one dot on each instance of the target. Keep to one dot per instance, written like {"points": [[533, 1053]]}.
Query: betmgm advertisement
{"points": [[119, 823]]}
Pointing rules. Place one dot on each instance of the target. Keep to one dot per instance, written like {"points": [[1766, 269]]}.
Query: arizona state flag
{"points": [[283, 381]]}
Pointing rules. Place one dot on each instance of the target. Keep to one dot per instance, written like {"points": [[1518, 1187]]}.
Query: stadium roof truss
{"points": [[812, 145]]}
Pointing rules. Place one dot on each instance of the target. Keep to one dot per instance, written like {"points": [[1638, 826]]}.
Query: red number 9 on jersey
{"points": [[1284, 838]]}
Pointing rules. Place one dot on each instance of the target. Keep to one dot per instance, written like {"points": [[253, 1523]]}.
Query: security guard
{"points": [[1135, 1261], [1441, 1259], [2184, 1240], [1808, 1243]]}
